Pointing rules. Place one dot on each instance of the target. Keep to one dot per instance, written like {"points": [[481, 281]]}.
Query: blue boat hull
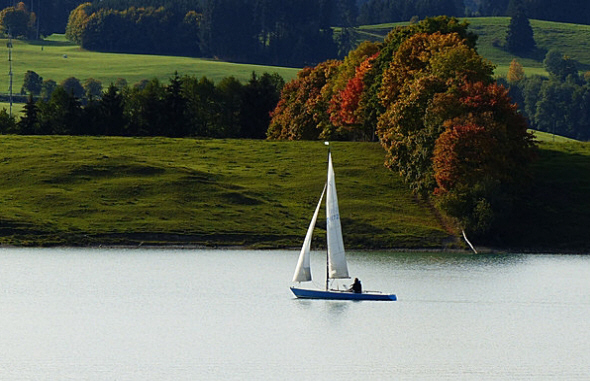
{"points": [[340, 295]]}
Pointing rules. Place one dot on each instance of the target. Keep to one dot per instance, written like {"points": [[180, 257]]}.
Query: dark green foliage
{"points": [[293, 33], [569, 11], [186, 106], [561, 107], [111, 113], [47, 88], [17, 21], [33, 83], [92, 88], [73, 86], [61, 115], [259, 98], [560, 66], [29, 122], [7, 122], [386, 11], [519, 38]]}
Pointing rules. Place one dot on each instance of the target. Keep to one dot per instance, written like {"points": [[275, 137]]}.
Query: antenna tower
{"points": [[9, 46]]}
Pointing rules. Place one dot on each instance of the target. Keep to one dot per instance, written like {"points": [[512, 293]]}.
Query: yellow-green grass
{"points": [[17, 108], [56, 58], [85, 190], [90, 191], [571, 39]]}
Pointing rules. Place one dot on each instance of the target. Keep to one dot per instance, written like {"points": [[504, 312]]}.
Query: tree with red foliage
{"points": [[346, 109], [301, 113], [480, 161]]}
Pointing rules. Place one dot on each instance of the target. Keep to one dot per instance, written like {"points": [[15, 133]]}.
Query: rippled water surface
{"points": [[110, 314]]}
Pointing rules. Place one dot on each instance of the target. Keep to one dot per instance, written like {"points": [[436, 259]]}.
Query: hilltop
{"points": [[570, 39]]}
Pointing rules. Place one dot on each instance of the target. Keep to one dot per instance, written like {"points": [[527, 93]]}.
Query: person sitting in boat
{"points": [[356, 287]]}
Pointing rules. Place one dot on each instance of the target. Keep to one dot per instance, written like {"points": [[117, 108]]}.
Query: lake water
{"points": [[112, 314]]}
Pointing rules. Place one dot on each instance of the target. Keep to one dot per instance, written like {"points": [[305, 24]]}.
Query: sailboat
{"points": [[336, 265]]}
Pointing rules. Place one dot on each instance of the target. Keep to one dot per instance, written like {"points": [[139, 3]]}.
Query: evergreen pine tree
{"points": [[520, 34], [29, 122]]}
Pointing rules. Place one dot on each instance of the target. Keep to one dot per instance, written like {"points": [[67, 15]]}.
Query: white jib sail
{"points": [[337, 267], [303, 269]]}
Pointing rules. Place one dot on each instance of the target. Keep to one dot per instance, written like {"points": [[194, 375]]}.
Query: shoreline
{"points": [[417, 250]]}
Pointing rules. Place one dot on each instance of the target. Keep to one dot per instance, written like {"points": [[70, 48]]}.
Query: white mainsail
{"points": [[337, 267], [303, 269]]}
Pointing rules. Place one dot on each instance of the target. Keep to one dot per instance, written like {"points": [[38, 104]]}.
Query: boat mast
{"points": [[327, 252]]}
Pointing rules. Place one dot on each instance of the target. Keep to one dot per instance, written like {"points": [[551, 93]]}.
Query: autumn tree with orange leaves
{"points": [[480, 161], [452, 134], [302, 111]]}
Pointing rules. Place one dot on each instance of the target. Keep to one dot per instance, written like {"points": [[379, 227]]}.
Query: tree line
{"points": [[431, 100], [186, 106], [288, 33], [386, 11], [51, 16], [558, 104]]}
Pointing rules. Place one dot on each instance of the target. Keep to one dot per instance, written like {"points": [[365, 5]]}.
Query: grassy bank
{"points": [[91, 191], [556, 214], [81, 190]]}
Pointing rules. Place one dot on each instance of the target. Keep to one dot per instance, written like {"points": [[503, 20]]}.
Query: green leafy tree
{"points": [[73, 86], [93, 88], [230, 91], [47, 88], [17, 21], [61, 114], [560, 66], [33, 83], [203, 106]]}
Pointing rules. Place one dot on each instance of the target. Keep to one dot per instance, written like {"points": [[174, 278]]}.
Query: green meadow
{"points": [[150, 191], [56, 58], [84, 191]]}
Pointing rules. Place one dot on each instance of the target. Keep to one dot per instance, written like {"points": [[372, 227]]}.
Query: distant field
{"points": [[56, 58], [17, 108], [571, 39]]}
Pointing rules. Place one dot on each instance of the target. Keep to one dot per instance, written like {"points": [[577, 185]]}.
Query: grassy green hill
{"points": [[81, 190], [56, 58], [571, 39], [90, 191]]}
